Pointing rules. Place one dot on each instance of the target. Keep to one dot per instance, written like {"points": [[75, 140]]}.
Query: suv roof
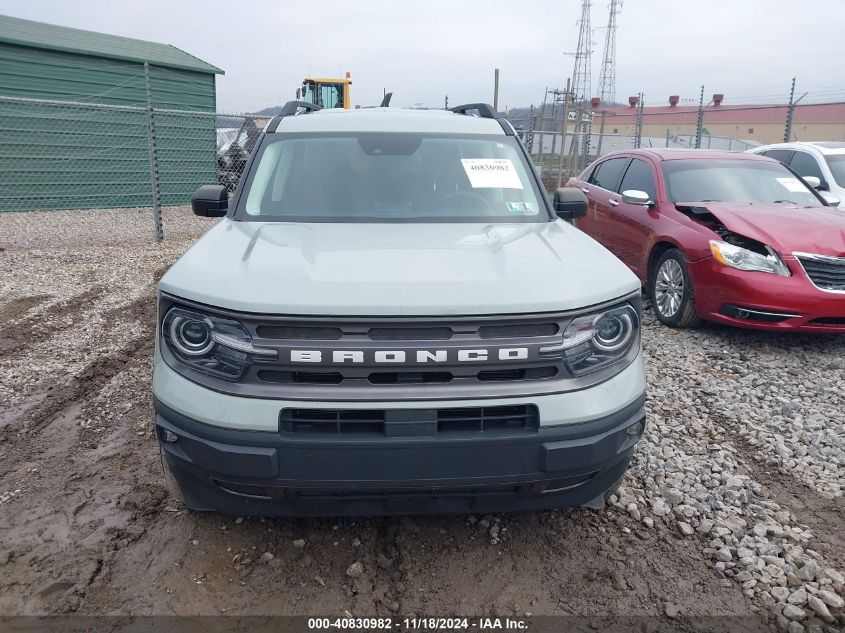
{"points": [[390, 120], [823, 147]]}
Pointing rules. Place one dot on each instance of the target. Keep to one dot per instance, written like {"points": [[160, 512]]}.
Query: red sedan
{"points": [[733, 238]]}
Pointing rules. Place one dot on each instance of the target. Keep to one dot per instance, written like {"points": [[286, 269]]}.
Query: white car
{"points": [[822, 160]]}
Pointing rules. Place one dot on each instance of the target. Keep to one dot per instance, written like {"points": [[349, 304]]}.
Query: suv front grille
{"points": [[405, 377], [299, 333], [409, 422], [520, 330], [410, 333], [826, 273], [318, 358]]}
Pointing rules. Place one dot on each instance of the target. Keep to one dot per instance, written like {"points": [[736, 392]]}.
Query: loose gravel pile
{"points": [[725, 406], [733, 506]]}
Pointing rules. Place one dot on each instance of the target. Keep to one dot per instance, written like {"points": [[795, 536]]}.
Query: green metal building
{"points": [[74, 120]]}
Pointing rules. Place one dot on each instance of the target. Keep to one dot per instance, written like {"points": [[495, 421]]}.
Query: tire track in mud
{"points": [[97, 373], [16, 307], [61, 397], [576, 562], [824, 517], [85, 509], [21, 335]]}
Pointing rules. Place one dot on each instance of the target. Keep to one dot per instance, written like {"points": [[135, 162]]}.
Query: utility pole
{"points": [[542, 122], [496, 90], [529, 132], [566, 96], [700, 126], [572, 161], [557, 97], [153, 158], [446, 102], [601, 132], [586, 139], [638, 136]]}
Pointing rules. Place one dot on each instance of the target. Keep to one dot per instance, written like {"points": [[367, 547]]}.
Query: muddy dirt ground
{"points": [[87, 526]]}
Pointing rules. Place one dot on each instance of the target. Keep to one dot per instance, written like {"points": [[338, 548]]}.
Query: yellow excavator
{"points": [[325, 92]]}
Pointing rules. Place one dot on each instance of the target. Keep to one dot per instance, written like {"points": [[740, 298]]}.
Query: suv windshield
{"points": [[727, 180], [390, 177], [836, 163]]}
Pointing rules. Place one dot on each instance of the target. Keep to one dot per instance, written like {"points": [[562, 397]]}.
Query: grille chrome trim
{"points": [[834, 274]]}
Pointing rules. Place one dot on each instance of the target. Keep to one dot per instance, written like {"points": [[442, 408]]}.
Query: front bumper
{"points": [[765, 301], [272, 474]]}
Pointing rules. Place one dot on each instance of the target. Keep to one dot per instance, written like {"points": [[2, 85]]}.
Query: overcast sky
{"points": [[425, 49]]}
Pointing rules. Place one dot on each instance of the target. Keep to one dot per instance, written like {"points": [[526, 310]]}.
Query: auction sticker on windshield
{"points": [[522, 208], [491, 173]]}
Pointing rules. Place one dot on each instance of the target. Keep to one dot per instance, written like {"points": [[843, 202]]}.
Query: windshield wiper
{"points": [[784, 202]]}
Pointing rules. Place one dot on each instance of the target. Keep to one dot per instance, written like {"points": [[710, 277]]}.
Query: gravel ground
{"points": [[734, 504]]}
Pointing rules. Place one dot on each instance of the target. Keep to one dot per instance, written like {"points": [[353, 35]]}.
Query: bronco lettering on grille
{"points": [[382, 357]]}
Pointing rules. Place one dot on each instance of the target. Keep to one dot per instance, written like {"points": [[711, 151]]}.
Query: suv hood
{"points": [[398, 269], [784, 227]]}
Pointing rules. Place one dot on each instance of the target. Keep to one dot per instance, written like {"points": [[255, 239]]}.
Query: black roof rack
{"points": [[485, 111], [289, 109]]}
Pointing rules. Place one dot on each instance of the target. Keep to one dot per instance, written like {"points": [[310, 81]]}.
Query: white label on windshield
{"points": [[792, 184], [491, 173]]}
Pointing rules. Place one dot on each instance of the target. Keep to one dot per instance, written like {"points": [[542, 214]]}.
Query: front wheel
{"points": [[671, 293]]}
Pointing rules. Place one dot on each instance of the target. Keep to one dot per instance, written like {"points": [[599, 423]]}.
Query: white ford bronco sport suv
{"points": [[394, 317]]}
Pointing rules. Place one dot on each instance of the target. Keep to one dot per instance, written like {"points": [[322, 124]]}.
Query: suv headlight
{"points": [[211, 344], [594, 341], [744, 259]]}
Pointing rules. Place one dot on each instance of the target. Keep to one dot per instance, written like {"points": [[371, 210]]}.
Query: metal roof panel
{"points": [[61, 38]]}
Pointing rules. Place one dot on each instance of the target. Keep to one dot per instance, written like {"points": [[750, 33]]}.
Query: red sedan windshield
{"points": [[727, 180]]}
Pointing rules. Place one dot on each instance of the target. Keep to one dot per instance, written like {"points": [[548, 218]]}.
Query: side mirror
{"points": [[813, 181], [635, 196], [830, 200], [210, 201], [570, 203]]}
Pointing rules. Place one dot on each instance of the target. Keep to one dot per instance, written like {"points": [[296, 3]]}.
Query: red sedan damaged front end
{"points": [[735, 239], [799, 282], [766, 301]]}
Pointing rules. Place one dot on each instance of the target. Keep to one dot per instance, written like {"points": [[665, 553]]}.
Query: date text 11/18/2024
{"points": [[418, 624]]}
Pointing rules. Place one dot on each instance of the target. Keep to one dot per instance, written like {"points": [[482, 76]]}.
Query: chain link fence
{"points": [[581, 148], [75, 155], [78, 155], [592, 130]]}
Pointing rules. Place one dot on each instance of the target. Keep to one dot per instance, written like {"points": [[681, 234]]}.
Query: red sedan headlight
{"points": [[744, 259]]}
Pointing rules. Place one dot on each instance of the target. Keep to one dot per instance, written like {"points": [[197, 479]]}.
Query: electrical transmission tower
{"points": [[581, 79], [607, 76]]}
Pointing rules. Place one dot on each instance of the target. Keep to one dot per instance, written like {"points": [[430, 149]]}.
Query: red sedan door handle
{"points": [[585, 190], [613, 203]]}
